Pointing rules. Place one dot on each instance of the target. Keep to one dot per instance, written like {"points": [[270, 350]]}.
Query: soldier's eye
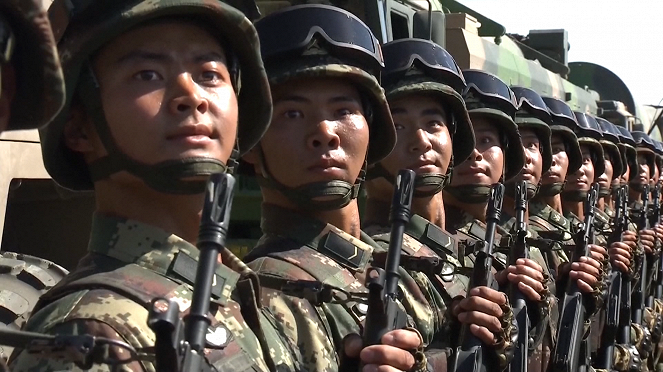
{"points": [[293, 114], [211, 76], [147, 75]]}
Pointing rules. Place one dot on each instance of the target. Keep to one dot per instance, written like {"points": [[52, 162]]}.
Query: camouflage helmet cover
{"points": [[40, 85], [319, 56], [86, 28]]}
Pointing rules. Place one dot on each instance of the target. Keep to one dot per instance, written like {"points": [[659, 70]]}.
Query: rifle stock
{"points": [[384, 314], [180, 343], [567, 353], [469, 355]]}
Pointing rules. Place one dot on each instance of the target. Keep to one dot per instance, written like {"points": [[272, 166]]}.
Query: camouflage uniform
{"points": [[129, 264], [297, 247]]}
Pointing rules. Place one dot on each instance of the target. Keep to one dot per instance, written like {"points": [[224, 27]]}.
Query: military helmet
{"points": [[610, 143], [589, 134], [628, 143], [28, 44], [325, 41], [644, 144], [421, 66], [86, 27], [533, 114], [488, 96], [563, 122]]}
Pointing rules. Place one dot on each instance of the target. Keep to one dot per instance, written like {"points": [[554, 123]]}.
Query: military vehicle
{"points": [[41, 219]]}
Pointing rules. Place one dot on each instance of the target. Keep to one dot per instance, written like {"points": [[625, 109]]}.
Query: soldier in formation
{"points": [[161, 95]]}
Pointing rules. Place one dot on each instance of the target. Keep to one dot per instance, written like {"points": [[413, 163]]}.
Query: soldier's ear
{"points": [[8, 80], [78, 131]]}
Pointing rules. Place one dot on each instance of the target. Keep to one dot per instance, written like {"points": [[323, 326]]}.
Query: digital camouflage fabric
{"points": [[424, 239], [128, 264], [40, 91], [298, 247]]}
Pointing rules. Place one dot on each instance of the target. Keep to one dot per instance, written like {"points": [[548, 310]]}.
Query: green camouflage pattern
{"points": [[40, 87], [319, 64], [141, 257], [297, 247], [543, 218], [81, 38]]}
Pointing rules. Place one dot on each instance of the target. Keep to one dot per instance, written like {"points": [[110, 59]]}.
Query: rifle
{"points": [[638, 298], [658, 289], [617, 284], [180, 343], [383, 313], [570, 345], [657, 277], [469, 356], [516, 297]]}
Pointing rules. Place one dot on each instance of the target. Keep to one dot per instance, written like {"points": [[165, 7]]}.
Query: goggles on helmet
{"points": [[491, 89], [343, 33], [400, 55]]}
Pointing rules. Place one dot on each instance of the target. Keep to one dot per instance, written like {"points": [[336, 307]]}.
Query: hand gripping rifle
{"points": [[619, 282], [384, 313], [180, 343], [469, 355], [638, 298], [569, 349], [516, 297]]}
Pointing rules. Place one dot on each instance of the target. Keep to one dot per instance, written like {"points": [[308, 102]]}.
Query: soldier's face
{"points": [[485, 165], [533, 159], [626, 175], [318, 132], [654, 177], [423, 142], [560, 162], [167, 93], [606, 178], [582, 179], [643, 169]]}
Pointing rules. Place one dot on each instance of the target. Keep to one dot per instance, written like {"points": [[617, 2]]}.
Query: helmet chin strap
{"points": [[470, 194], [614, 188], [574, 195], [180, 177], [314, 196], [425, 184], [551, 189], [604, 191]]}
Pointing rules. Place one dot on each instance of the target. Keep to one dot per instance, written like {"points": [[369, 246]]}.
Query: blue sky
{"points": [[626, 40]]}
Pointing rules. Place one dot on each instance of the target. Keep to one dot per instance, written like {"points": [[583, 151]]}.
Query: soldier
{"points": [[614, 167], [545, 210], [32, 94], [331, 120], [492, 107], [159, 95], [423, 85]]}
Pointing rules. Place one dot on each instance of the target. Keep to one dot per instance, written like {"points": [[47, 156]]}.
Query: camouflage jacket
{"points": [[543, 218], [296, 248], [128, 264], [424, 239]]}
